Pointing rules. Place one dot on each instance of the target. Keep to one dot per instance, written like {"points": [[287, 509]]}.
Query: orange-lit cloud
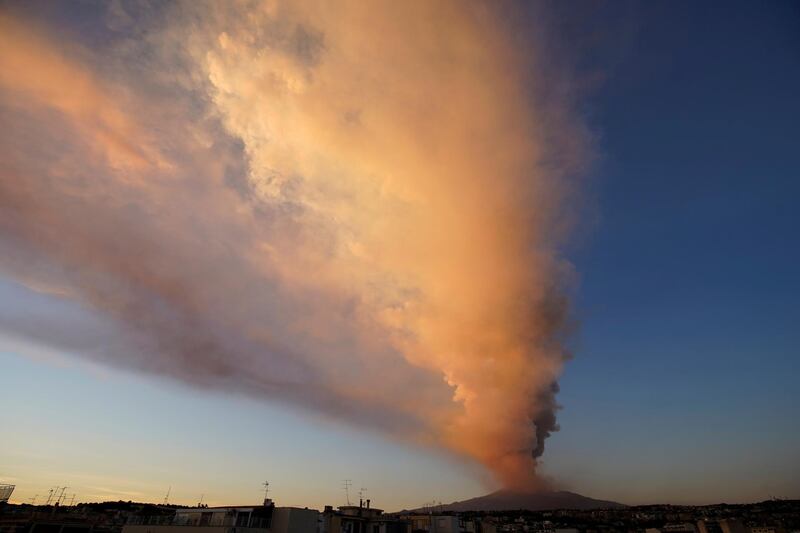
{"points": [[36, 72], [351, 207]]}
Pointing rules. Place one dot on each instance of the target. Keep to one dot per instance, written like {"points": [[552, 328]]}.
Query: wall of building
{"points": [[294, 520], [187, 529]]}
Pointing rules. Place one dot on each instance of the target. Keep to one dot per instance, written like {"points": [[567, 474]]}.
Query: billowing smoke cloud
{"points": [[353, 207]]}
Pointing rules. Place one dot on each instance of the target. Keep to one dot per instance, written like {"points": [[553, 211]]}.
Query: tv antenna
{"points": [[166, 498], [63, 497], [200, 503], [33, 500], [432, 505], [266, 490], [346, 486], [362, 493]]}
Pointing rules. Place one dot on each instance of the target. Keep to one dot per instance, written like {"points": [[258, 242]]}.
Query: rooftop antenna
{"points": [[72, 499], [33, 500], [266, 491], [49, 496], [166, 498], [200, 503], [362, 496], [62, 496], [346, 486]]}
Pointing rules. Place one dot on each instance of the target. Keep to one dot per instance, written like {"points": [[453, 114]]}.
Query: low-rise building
{"points": [[264, 518], [731, 525], [5, 492], [361, 519], [708, 526]]}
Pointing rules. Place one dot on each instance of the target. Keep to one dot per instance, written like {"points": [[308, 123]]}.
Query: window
{"points": [[242, 519]]}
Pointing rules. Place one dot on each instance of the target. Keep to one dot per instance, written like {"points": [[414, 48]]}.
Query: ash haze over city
{"points": [[435, 248]]}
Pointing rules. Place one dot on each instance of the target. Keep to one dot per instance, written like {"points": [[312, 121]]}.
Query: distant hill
{"points": [[508, 500]]}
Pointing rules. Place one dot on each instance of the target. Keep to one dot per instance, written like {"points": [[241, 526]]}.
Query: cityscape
{"points": [[771, 516], [399, 266]]}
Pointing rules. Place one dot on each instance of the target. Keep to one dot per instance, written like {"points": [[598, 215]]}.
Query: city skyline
{"points": [[246, 310]]}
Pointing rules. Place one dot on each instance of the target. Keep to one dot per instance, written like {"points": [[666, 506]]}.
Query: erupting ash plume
{"points": [[352, 207]]}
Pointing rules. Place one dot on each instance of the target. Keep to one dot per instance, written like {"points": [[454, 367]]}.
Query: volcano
{"points": [[509, 500]]}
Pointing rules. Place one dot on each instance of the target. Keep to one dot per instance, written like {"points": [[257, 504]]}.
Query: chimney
{"points": [[367, 503]]}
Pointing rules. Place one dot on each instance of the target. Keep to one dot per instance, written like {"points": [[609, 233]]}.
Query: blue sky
{"points": [[683, 386], [687, 356]]}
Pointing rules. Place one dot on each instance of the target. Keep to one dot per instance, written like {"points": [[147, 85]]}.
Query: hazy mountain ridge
{"points": [[508, 500]]}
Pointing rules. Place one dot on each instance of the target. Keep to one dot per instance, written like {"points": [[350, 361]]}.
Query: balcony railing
{"points": [[226, 521]]}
